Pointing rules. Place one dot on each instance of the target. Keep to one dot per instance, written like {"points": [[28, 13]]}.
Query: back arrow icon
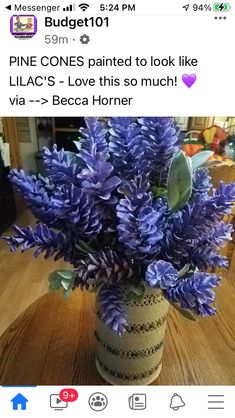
{"points": [[43, 101]]}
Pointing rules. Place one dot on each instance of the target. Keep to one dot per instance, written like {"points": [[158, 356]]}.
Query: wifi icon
{"points": [[83, 6]]}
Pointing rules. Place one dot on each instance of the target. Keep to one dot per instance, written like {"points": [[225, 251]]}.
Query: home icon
{"points": [[19, 402]]}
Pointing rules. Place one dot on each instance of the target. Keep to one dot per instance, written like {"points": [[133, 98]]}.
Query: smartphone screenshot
{"points": [[117, 209]]}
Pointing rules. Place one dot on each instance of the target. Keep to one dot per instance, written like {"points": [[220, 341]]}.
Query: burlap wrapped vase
{"points": [[134, 358]]}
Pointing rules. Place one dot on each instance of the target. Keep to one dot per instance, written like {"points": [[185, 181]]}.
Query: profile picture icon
{"points": [[23, 26]]}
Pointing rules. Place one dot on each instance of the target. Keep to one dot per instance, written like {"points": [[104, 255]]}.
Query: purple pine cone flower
{"points": [[111, 311], [103, 267], [140, 226], [201, 181], [195, 293], [94, 133], [73, 205], [161, 275], [62, 167], [45, 239]]}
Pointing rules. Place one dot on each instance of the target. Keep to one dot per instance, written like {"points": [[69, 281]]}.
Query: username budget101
{"points": [[66, 22]]}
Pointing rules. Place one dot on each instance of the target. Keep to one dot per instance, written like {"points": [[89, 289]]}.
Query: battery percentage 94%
{"points": [[198, 7]]}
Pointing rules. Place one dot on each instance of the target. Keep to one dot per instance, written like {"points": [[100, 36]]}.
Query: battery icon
{"points": [[221, 7]]}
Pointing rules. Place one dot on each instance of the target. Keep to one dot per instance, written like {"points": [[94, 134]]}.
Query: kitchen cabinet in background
{"points": [[198, 123], [182, 122]]}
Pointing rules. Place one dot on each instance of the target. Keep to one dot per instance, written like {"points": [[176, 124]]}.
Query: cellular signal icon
{"points": [[83, 6], [69, 8]]}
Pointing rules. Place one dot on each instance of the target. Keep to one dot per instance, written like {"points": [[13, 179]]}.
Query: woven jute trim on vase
{"points": [[144, 327], [147, 301], [128, 376], [131, 354], [147, 327]]}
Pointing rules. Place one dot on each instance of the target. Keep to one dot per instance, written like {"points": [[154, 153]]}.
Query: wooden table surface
{"points": [[52, 343]]}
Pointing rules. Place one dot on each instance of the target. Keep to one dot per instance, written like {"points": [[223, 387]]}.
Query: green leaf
{"points": [[61, 279], [135, 292], [184, 270], [65, 274], [184, 312], [159, 191], [199, 159], [54, 281], [68, 287], [179, 182], [66, 283]]}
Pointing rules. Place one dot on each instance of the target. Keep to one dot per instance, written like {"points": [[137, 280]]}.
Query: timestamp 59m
{"points": [[55, 39]]}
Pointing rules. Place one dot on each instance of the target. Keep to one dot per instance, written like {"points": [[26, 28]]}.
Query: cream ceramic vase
{"points": [[135, 358]]}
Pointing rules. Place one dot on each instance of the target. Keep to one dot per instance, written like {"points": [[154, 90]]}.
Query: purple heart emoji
{"points": [[189, 80]]}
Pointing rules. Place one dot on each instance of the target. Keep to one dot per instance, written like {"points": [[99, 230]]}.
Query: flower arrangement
{"points": [[129, 211]]}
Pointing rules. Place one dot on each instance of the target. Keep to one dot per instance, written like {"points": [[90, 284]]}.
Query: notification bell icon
{"points": [[176, 402]]}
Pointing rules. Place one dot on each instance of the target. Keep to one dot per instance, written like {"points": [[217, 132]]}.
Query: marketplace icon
{"points": [[23, 26]]}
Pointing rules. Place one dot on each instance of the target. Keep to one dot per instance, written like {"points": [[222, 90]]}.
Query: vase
{"points": [[135, 358]]}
